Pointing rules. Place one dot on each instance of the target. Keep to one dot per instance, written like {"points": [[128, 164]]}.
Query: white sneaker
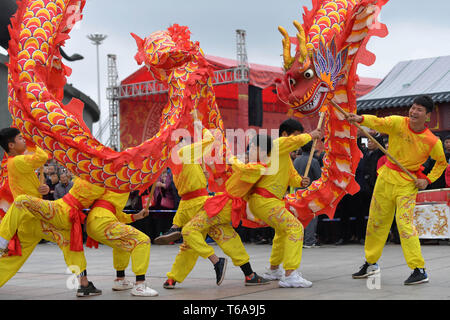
{"points": [[295, 280], [142, 290], [273, 274], [122, 284]]}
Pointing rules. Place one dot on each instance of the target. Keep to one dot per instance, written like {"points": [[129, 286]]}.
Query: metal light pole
{"points": [[97, 39]]}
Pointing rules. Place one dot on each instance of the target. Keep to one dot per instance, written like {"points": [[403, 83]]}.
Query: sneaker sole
{"points": [[285, 285], [223, 273], [121, 289], [367, 274], [256, 284], [167, 238], [82, 295], [417, 282], [144, 295]]}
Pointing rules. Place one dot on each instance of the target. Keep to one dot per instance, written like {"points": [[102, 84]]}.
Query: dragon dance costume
{"points": [[25, 230], [267, 204], [108, 224], [395, 193]]}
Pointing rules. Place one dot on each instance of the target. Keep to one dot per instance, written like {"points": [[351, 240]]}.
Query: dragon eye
{"points": [[309, 74], [292, 81]]}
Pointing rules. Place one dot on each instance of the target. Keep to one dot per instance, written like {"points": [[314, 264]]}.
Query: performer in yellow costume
{"points": [[23, 180], [223, 212], [190, 181], [410, 143], [266, 203], [108, 224]]}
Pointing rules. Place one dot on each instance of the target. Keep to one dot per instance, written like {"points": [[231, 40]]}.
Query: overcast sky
{"points": [[417, 29]]}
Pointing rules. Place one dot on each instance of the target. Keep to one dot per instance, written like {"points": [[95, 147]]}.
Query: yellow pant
{"points": [[30, 232], [288, 240], [52, 224], [196, 225], [126, 241], [389, 200]]}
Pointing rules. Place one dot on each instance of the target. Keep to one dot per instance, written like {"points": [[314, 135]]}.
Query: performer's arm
{"points": [[437, 153], [250, 172], [26, 163], [295, 180], [194, 152], [291, 143], [384, 125]]}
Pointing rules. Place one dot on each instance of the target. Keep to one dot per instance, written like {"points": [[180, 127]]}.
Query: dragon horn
{"points": [[301, 42], [287, 58]]}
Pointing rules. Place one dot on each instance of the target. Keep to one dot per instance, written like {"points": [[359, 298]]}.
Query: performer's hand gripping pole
{"points": [[369, 136], [313, 148]]}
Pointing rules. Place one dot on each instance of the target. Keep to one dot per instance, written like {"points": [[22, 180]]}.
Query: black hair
{"points": [[290, 126], [447, 138], [8, 135], [307, 147], [425, 101], [263, 141]]}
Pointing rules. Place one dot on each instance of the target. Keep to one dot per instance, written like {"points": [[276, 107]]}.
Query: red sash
{"points": [[77, 217], [14, 247], [194, 194], [215, 204], [264, 193], [418, 173]]}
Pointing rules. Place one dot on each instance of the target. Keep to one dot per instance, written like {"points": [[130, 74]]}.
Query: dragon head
{"points": [[311, 75], [165, 51]]}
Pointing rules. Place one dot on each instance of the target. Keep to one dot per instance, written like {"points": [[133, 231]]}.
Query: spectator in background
{"points": [[52, 181], [163, 199], [447, 148], [63, 187], [429, 164], [300, 163], [366, 179], [447, 176], [345, 210]]}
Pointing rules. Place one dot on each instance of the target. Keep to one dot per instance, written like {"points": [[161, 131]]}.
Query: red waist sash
{"points": [[264, 193], [14, 247], [76, 217], [215, 204], [195, 194], [418, 173]]}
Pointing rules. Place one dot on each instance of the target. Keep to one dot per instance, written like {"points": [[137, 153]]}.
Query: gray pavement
{"points": [[44, 276]]}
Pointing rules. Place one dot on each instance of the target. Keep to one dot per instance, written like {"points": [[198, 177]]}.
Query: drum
{"points": [[438, 195], [432, 214]]}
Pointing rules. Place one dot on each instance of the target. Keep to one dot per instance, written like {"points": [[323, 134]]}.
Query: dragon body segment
{"points": [[330, 44], [37, 77]]}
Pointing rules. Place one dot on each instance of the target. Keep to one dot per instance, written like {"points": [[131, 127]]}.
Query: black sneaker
{"points": [[88, 291], [416, 277], [255, 280], [171, 235], [220, 268], [169, 284], [366, 270]]}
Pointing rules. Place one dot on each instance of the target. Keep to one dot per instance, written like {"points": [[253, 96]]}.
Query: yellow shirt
{"points": [[192, 177], [281, 172], [411, 149], [86, 192], [22, 175], [244, 176], [119, 200]]}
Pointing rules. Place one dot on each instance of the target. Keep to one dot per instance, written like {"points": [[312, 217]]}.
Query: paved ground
{"points": [[329, 268]]}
